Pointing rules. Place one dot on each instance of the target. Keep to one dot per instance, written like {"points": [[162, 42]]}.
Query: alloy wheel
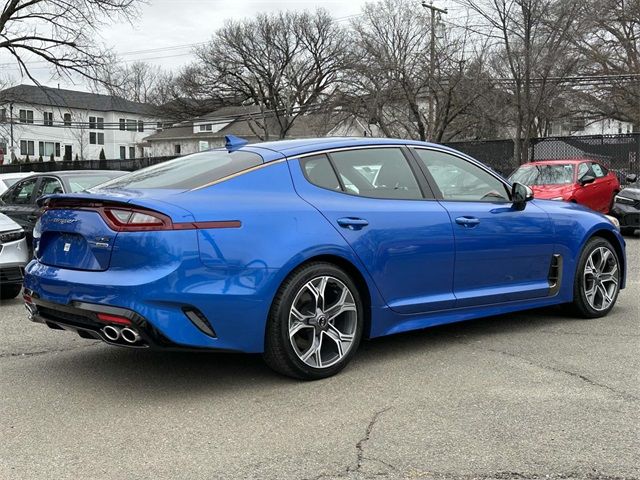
{"points": [[322, 322], [601, 278]]}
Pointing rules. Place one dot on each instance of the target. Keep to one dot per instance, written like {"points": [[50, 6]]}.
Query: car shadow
{"points": [[143, 374]]}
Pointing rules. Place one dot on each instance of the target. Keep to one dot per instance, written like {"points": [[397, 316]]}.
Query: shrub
{"points": [[52, 158], [102, 155], [27, 159], [40, 160]]}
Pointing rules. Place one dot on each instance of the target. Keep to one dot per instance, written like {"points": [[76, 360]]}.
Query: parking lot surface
{"points": [[528, 396]]}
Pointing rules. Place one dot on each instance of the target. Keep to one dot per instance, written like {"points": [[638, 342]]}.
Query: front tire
{"points": [[597, 280], [315, 324]]}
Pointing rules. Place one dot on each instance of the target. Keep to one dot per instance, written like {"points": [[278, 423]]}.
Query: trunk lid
{"points": [[73, 234]]}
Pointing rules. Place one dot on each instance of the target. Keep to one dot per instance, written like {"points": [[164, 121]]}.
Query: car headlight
{"points": [[557, 198], [613, 220], [12, 236], [625, 200]]}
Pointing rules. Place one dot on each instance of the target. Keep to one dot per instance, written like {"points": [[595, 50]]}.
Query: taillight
{"points": [[133, 220]]}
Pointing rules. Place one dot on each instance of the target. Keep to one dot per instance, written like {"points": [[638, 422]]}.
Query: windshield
{"points": [[188, 172], [543, 174]]}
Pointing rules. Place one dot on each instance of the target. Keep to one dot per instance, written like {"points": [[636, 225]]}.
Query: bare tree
{"points": [[532, 56], [612, 49], [140, 82], [286, 64], [60, 33]]}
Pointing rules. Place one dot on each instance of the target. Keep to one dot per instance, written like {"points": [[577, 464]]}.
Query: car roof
{"points": [[289, 148], [16, 174]]}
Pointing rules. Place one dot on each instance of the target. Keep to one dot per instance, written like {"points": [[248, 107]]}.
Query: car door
{"points": [[18, 203], [48, 185], [587, 194], [400, 233], [604, 188], [503, 253]]}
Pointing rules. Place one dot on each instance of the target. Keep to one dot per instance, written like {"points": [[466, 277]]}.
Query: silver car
{"points": [[14, 255]]}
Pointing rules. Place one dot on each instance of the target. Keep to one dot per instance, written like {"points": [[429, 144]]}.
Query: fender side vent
{"points": [[199, 320], [555, 274]]}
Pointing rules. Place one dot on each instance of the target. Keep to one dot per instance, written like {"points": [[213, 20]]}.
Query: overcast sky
{"points": [[165, 29]]}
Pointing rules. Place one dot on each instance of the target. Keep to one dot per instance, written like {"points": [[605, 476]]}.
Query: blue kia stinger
{"points": [[299, 249]]}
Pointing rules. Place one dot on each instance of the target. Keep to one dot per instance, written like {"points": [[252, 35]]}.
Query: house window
{"points": [[45, 149], [48, 119], [123, 124], [92, 123], [100, 123], [96, 138], [100, 138], [3, 114], [67, 119], [123, 153], [140, 126], [159, 125], [27, 147], [177, 149], [206, 128], [131, 125], [26, 116], [132, 152]]}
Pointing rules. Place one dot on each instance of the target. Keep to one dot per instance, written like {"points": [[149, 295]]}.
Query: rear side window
{"points": [[376, 173], [319, 171], [188, 172], [21, 193]]}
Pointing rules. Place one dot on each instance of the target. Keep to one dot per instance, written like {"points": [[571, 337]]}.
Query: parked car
{"points": [[297, 250], [19, 201], [14, 255], [586, 182], [8, 179], [626, 207]]}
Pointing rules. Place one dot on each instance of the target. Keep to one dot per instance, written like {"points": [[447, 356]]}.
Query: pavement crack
{"points": [[584, 378], [45, 352]]}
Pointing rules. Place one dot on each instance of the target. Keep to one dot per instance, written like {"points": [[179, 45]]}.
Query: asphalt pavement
{"points": [[527, 396]]}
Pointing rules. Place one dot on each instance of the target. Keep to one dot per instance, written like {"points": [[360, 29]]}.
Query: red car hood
{"points": [[550, 191]]}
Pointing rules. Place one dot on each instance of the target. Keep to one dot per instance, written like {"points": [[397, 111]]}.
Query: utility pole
{"points": [[432, 63], [12, 155]]}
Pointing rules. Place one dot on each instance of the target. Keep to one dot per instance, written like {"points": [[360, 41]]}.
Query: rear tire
{"points": [[315, 324], [597, 280], [7, 292]]}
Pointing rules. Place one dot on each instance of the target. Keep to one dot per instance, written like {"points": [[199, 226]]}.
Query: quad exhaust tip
{"points": [[129, 335], [112, 333]]}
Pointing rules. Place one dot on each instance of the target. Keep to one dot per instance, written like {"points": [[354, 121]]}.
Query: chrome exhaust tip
{"points": [[112, 333], [129, 335]]}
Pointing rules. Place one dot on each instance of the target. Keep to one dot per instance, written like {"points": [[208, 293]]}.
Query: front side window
{"points": [[458, 179], [543, 174], [22, 192], [599, 170], [188, 172], [376, 173], [583, 169]]}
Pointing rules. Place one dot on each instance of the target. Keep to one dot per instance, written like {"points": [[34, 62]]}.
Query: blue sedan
{"points": [[299, 249]]}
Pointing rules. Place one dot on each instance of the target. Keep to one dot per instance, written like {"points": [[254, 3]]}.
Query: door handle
{"points": [[468, 222], [352, 223]]}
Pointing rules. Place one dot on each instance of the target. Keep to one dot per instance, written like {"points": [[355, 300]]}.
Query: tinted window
{"points": [[189, 172], [543, 174], [49, 186], [21, 193], [376, 172], [583, 169], [319, 171], [599, 170], [458, 179]]}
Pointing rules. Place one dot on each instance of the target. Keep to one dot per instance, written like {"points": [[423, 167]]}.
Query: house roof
{"points": [[56, 97], [304, 126]]}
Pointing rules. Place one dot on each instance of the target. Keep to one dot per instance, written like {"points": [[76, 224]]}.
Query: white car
{"points": [[14, 256], [8, 179]]}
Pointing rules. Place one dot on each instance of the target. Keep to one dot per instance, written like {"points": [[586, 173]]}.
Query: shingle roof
{"points": [[48, 96]]}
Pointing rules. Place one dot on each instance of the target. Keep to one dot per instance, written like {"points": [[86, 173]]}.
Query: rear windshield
{"points": [[543, 174], [191, 171], [83, 182]]}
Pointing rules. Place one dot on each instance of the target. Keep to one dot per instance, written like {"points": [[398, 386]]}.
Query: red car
{"points": [[582, 181]]}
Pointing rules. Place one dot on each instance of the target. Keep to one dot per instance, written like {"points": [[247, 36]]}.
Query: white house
{"points": [[40, 121]]}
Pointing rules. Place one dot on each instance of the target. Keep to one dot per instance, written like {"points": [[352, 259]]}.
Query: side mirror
{"points": [[587, 179], [631, 178], [520, 195]]}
